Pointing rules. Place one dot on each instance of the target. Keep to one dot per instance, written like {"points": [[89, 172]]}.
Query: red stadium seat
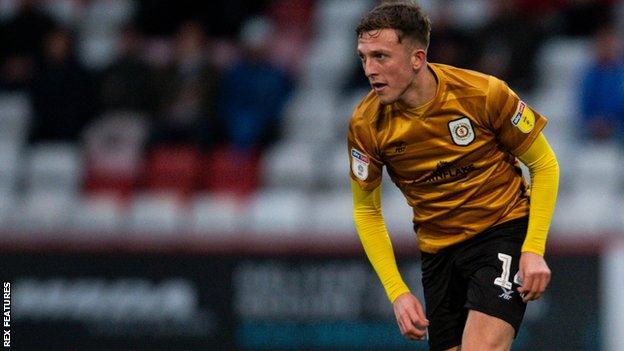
{"points": [[113, 152], [172, 169], [227, 170], [116, 182], [111, 172]]}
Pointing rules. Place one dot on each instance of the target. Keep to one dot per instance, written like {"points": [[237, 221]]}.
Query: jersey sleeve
{"points": [[515, 124], [544, 171], [364, 157]]}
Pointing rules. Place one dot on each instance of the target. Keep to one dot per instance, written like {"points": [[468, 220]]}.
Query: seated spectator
{"points": [[187, 103], [602, 89], [125, 84], [254, 91], [62, 91], [292, 21], [21, 41], [582, 18], [452, 45], [509, 45]]}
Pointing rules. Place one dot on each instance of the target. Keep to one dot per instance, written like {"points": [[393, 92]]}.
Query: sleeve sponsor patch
{"points": [[523, 119], [359, 164]]}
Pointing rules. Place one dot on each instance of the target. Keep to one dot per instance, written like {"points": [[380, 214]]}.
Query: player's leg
{"points": [[495, 307], [445, 296], [486, 333]]}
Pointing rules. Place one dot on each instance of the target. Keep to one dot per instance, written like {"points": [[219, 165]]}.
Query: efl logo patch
{"points": [[359, 164], [523, 119], [462, 131]]}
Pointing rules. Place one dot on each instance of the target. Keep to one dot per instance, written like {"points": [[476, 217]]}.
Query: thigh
{"points": [[484, 332], [491, 270], [445, 297]]}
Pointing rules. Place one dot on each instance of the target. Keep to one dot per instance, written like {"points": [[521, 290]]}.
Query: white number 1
{"points": [[503, 280]]}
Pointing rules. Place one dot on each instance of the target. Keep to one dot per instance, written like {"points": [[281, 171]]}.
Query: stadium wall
{"points": [[243, 295]]}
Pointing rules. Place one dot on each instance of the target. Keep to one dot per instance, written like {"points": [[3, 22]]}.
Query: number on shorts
{"points": [[503, 280]]}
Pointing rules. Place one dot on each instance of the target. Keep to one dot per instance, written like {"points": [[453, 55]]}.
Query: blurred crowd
{"points": [[193, 97], [198, 89], [174, 78]]}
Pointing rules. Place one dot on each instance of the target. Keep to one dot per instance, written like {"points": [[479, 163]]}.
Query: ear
{"points": [[418, 58]]}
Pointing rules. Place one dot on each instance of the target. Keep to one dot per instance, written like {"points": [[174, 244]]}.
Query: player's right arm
{"points": [[365, 158], [373, 234]]}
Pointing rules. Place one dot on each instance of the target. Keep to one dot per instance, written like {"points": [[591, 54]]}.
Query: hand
{"points": [[534, 275], [410, 316]]}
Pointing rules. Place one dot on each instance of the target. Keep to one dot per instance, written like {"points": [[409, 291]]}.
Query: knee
{"points": [[493, 342]]}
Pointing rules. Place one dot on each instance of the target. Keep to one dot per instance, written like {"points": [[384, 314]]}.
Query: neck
{"points": [[422, 90]]}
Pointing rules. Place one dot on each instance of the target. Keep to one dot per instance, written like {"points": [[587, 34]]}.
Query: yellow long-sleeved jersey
{"points": [[453, 158]]}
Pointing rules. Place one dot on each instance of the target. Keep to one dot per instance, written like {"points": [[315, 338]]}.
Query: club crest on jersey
{"points": [[359, 164], [462, 131], [523, 119]]}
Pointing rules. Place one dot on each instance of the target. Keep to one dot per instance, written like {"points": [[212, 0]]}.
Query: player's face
{"points": [[387, 63]]}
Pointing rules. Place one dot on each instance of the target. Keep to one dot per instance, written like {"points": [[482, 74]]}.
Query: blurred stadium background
{"points": [[173, 174]]}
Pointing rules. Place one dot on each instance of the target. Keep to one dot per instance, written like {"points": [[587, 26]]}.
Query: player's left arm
{"points": [[544, 171]]}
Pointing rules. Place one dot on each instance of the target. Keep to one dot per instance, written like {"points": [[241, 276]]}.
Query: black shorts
{"points": [[477, 274]]}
